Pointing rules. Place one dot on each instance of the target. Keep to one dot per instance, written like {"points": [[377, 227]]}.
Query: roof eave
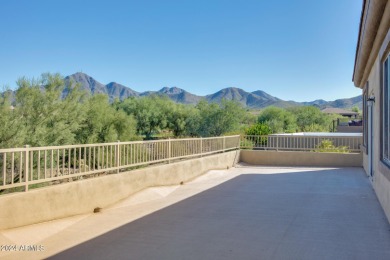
{"points": [[369, 39]]}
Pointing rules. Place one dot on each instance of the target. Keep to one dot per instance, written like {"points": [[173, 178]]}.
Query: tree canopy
{"points": [[46, 111], [41, 115], [279, 120], [311, 119]]}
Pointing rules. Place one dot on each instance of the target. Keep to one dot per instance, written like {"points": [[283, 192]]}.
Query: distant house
{"points": [[339, 111], [348, 123], [372, 75]]}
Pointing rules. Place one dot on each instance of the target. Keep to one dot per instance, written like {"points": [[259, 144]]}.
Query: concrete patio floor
{"points": [[241, 213]]}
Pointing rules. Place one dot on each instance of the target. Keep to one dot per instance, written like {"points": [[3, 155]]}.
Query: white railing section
{"points": [[23, 167], [302, 143]]}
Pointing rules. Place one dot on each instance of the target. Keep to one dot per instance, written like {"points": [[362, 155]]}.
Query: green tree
{"points": [[46, 117], [10, 132], [356, 109], [151, 113], [311, 119], [258, 129], [179, 118], [278, 119], [215, 119], [193, 122], [105, 123]]}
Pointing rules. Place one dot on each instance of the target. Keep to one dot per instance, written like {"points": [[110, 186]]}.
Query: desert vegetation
{"points": [[47, 111]]}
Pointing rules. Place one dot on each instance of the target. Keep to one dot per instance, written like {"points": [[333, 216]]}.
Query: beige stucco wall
{"points": [[285, 158], [382, 190], [380, 182], [381, 173], [374, 90], [81, 197], [365, 162]]}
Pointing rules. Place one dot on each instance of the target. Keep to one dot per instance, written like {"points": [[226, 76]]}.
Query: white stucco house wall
{"points": [[372, 75]]}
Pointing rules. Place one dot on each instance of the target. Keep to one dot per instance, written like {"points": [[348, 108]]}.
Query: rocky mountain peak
{"points": [[257, 99]]}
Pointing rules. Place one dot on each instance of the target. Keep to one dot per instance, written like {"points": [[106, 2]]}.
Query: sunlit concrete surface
{"points": [[242, 213]]}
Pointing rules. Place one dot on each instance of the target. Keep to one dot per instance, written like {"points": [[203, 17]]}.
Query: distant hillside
{"points": [[176, 94], [117, 90], [339, 103], [253, 100], [257, 99], [318, 102], [92, 86], [346, 102]]}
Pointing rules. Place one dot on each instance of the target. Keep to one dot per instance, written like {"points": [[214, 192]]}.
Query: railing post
{"points": [[201, 146], [26, 166], [169, 150], [118, 155], [318, 141], [277, 143]]}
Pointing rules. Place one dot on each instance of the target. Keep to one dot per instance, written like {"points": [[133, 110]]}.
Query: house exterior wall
{"points": [[381, 172]]}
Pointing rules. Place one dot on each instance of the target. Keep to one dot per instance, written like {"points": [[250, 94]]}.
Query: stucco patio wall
{"points": [[287, 158], [80, 197]]}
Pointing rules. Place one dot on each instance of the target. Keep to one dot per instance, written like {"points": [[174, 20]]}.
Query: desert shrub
{"points": [[258, 129], [327, 146]]}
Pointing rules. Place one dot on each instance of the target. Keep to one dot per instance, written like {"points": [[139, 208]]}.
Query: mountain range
{"points": [[253, 100]]}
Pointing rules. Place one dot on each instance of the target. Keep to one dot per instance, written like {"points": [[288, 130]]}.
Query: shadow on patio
{"points": [[309, 214]]}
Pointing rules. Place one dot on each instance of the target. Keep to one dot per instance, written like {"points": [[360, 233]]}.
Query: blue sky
{"points": [[298, 50]]}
